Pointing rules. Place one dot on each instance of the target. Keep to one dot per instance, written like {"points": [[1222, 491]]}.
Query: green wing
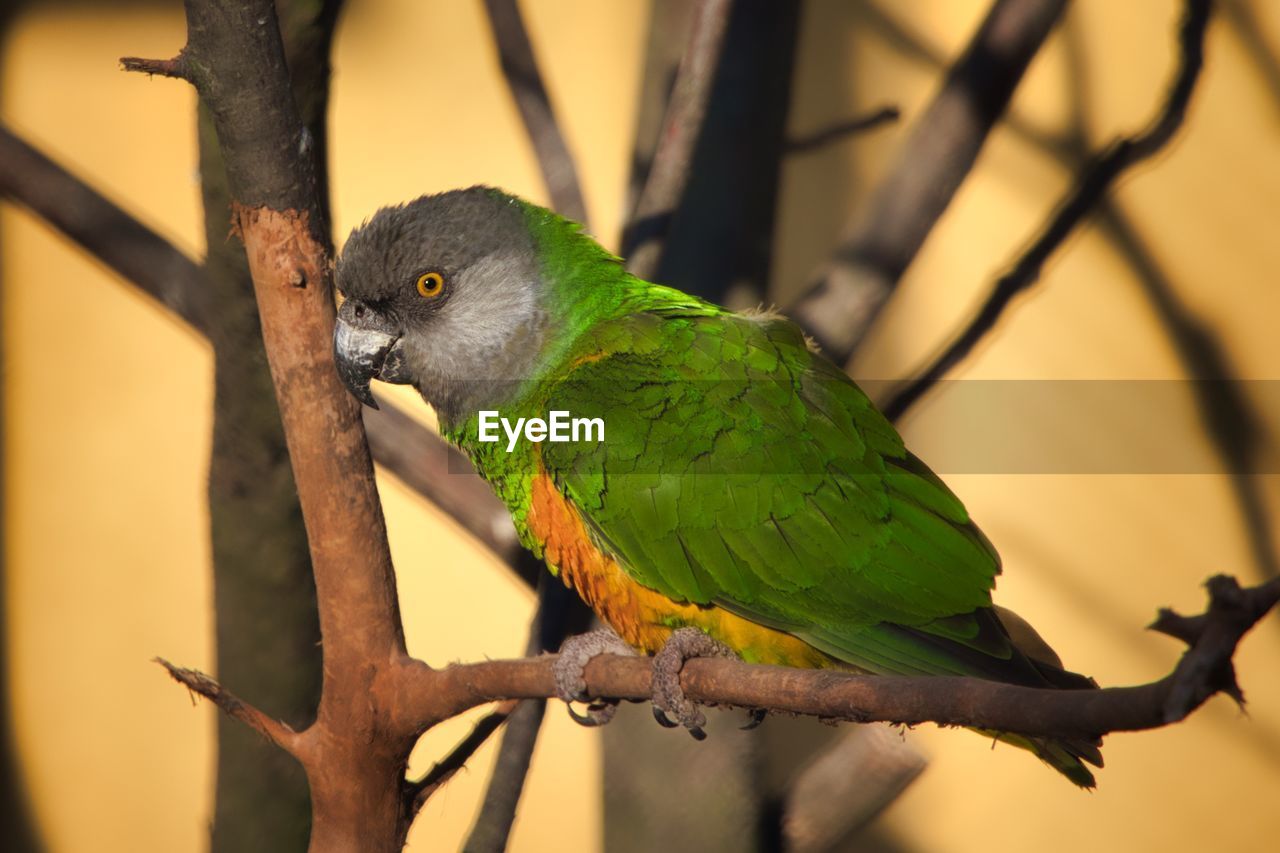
{"points": [[742, 470]]}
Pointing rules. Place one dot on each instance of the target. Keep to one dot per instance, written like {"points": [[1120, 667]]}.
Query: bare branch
{"points": [[498, 811], [847, 295], [197, 682], [413, 453], [425, 463], [547, 631], [1205, 669], [108, 233], [1093, 185], [838, 132], [419, 791], [520, 67], [642, 242], [238, 67], [176, 67], [1226, 414]]}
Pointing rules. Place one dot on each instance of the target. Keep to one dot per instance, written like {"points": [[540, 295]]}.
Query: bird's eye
{"points": [[430, 284]]}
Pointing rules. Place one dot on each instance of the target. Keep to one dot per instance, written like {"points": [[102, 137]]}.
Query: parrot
{"points": [[741, 485]]}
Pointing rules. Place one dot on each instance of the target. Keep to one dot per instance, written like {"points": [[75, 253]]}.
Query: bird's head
{"points": [[445, 293]]}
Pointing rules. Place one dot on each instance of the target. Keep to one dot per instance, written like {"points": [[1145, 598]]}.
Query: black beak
{"points": [[362, 343]]}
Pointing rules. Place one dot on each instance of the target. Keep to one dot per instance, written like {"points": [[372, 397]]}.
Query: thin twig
{"points": [[642, 242], [175, 67], [420, 790], [197, 682], [847, 295], [842, 130], [1093, 185], [1225, 412], [520, 67], [1229, 418]]}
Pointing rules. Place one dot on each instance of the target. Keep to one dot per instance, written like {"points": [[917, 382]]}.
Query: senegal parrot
{"points": [[727, 477]]}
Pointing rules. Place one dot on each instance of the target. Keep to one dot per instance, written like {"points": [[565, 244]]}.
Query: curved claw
{"points": [[598, 713], [662, 718], [668, 696], [569, 669], [754, 718]]}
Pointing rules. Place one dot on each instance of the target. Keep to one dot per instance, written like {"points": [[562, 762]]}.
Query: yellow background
{"points": [[108, 399]]}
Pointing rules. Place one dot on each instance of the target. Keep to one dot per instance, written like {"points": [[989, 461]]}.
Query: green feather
{"points": [[741, 469]]}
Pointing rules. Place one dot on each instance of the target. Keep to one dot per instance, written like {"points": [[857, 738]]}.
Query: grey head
{"points": [[442, 293]]}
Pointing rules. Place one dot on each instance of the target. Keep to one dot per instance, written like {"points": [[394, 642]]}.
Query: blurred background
{"points": [[108, 403]]}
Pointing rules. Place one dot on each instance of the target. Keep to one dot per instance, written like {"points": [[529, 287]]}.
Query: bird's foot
{"points": [[570, 668], [668, 696]]}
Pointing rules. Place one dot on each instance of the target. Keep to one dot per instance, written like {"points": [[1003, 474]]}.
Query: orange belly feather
{"points": [[642, 617]]}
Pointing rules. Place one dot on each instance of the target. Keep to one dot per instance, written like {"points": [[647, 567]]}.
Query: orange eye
{"points": [[430, 284]]}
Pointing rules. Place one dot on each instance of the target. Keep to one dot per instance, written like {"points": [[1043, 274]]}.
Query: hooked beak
{"points": [[364, 349]]}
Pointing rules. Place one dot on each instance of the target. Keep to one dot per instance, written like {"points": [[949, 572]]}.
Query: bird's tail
{"points": [[1066, 755]]}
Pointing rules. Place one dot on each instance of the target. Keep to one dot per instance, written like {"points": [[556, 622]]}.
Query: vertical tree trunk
{"points": [[267, 627]]}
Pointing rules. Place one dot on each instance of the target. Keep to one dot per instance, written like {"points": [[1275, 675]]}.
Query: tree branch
{"points": [[197, 682], [520, 67], [498, 810], [847, 295], [235, 59], [413, 453], [1096, 180], [175, 68], [838, 132], [434, 469], [552, 622], [642, 241], [419, 791], [128, 247], [1205, 669]]}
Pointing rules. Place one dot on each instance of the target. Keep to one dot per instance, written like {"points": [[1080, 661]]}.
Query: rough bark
{"points": [[266, 626]]}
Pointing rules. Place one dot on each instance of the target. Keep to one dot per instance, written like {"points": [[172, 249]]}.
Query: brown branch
{"points": [[197, 682], [846, 296], [431, 696], [143, 258], [376, 699], [236, 62], [843, 130], [176, 67], [669, 174], [1089, 191], [520, 67], [1205, 669]]}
